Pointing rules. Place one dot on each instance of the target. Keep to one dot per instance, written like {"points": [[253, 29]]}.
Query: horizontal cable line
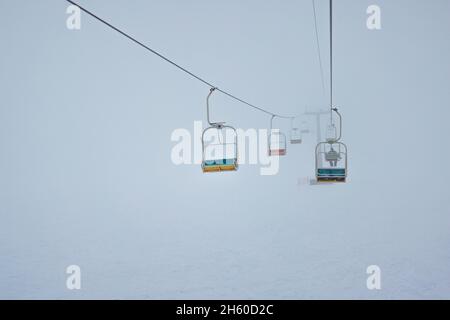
{"points": [[175, 64]]}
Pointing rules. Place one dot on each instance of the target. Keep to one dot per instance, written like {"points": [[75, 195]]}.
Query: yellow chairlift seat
{"points": [[225, 164], [219, 165]]}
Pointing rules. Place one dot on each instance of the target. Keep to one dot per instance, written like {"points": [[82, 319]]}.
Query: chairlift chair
{"points": [[304, 127], [224, 161], [331, 133], [331, 157], [276, 141], [334, 168], [296, 133]]}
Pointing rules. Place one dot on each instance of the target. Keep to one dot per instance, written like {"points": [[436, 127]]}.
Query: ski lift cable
{"points": [[331, 61], [322, 77], [123, 33]]}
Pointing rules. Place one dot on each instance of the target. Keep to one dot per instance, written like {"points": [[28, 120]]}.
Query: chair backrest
{"points": [[322, 150], [224, 144]]}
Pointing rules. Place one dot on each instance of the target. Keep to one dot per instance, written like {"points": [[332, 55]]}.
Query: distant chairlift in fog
{"points": [[304, 129], [296, 132]]}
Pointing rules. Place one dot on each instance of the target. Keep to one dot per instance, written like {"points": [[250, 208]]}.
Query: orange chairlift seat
{"points": [[276, 141]]}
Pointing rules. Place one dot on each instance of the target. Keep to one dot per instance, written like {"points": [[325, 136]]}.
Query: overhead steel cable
{"points": [[331, 60], [175, 64], [322, 76], [139, 43]]}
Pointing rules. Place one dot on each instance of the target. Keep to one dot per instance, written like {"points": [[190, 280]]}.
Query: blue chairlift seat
{"points": [[331, 174]]}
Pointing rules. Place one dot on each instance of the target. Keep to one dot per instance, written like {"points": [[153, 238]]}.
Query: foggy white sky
{"points": [[86, 176]]}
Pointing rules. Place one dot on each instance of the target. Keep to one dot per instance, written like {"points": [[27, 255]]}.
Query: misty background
{"points": [[86, 176]]}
